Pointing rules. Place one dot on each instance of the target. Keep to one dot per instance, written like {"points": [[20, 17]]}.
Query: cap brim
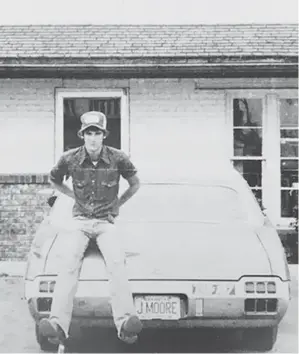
{"points": [[80, 132]]}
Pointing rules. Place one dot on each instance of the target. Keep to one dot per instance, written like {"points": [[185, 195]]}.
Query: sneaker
{"points": [[51, 330], [129, 330]]}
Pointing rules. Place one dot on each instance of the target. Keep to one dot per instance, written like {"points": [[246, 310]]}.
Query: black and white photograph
{"points": [[149, 176]]}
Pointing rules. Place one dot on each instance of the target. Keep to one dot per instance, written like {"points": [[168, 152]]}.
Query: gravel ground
{"points": [[17, 330]]}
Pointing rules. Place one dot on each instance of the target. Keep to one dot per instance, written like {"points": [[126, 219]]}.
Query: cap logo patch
{"points": [[92, 119]]}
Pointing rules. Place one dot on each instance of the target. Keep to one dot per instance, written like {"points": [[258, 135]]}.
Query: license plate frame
{"points": [[161, 307]]}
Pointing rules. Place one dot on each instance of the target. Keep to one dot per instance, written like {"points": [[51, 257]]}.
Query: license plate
{"points": [[158, 307]]}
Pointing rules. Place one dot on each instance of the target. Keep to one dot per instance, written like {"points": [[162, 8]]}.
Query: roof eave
{"points": [[127, 70]]}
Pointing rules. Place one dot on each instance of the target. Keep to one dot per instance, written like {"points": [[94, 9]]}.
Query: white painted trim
{"points": [[284, 94], [88, 93], [261, 93], [61, 94], [248, 158], [229, 121], [125, 122], [249, 83], [272, 150], [287, 93], [284, 223], [58, 126]]}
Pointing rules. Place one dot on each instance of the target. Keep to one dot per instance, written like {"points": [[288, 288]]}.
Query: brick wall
{"points": [[22, 210], [172, 121]]}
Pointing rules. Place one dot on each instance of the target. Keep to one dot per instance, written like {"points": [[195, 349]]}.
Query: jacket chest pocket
{"points": [[108, 188], [80, 188]]}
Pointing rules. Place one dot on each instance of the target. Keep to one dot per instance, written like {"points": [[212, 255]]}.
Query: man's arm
{"points": [[63, 188], [134, 185], [129, 172], [56, 177]]}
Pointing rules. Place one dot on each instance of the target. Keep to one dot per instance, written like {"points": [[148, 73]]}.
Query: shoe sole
{"points": [[47, 330], [132, 326], [129, 340]]}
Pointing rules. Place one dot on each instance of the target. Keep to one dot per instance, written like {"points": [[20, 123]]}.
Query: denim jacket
{"points": [[95, 186]]}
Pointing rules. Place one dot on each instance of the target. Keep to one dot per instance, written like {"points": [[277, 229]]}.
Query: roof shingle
{"points": [[119, 41]]}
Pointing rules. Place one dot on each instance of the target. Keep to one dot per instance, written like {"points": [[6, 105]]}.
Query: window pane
{"points": [[289, 203], [258, 195], [248, 142], [289, 172], [289, 133], [288, 148], [247, 112], [251, 171], [289, 113]]}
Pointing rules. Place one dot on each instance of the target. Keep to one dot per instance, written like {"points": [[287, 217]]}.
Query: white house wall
{"points": [[173, 126], [27, 125], [172, 121]]}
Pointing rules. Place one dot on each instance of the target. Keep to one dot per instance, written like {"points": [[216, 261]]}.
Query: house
{"points": [[171, 93]]}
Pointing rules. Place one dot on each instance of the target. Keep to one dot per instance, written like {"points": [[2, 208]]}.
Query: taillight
{"points": [[46, 286], [52, 286], [271, 287], [249, 287], [260, 287]]}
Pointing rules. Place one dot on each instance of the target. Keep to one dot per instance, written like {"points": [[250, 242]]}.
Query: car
{"points": [[200, 253]]}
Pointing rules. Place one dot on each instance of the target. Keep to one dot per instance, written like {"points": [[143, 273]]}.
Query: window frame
{"points": [[271, 188], [284, 94], [61, 94]]}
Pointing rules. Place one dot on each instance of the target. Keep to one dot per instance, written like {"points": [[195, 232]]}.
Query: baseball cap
{"points": [[93, 119]]}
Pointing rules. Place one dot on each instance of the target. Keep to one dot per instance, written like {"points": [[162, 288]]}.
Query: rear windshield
{"points": [[184, 203]]}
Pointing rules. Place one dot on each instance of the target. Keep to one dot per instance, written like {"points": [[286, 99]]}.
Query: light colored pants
{"points": [[76, 239]]}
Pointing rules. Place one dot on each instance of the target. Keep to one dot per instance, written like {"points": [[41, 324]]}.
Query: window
{"points": [[75, 107], [264, 140], [288, 114], [71, 104], [248, 141]]}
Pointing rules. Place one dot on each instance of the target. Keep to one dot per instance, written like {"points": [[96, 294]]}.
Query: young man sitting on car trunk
{"points": [[95, 169]]}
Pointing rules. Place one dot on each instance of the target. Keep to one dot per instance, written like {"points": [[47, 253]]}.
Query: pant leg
{"points": [[114, 256], [73, 246], [43, 233]]}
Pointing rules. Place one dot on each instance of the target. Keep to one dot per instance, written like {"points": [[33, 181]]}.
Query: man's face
{"points": [[93, 139]]}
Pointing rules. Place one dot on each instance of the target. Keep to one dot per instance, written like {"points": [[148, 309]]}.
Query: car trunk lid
{"points": [[199, 250]]}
